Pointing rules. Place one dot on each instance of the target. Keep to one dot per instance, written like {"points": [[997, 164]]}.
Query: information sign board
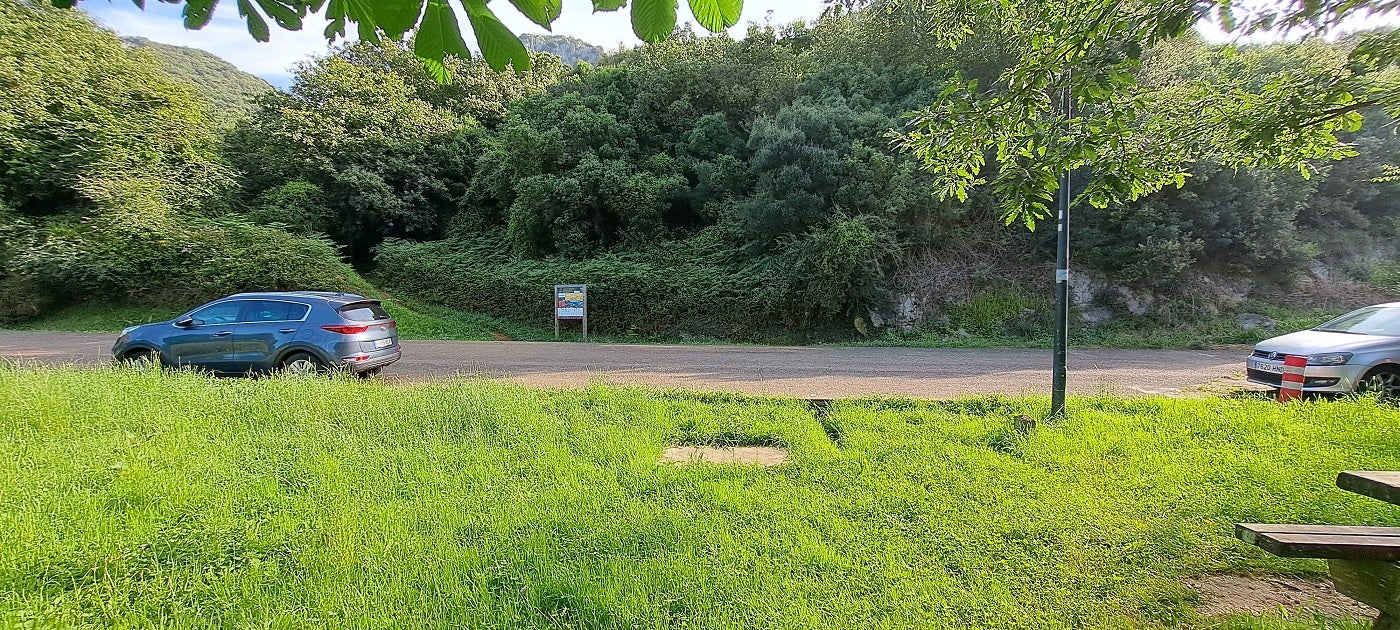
{"points": [[571, 303]]}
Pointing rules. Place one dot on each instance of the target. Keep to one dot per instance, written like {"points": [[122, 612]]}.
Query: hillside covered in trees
{"points": [[228, 91], [725, 189]]}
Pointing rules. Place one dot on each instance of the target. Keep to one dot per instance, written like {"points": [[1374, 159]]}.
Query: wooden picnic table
{"points": [[1364, 562], [1377, 485]]}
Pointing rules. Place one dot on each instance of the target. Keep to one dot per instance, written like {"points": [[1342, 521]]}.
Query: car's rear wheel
{"points": [[1384, 380], [370, 373], [302, 363]]}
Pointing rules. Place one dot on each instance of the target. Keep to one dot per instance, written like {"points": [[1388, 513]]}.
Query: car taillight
{"points": [[345, 330]]}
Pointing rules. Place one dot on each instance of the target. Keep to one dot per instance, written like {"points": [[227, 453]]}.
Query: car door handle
{"points": [[223, 333], [287, 330]]}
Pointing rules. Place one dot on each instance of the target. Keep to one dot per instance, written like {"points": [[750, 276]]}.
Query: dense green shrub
{"points": [[145, 259], [388, 150], [298, 204], [626, 294], [671, 291]]}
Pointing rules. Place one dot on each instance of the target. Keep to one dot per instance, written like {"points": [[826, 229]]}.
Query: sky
{"points": [[227, 34]]}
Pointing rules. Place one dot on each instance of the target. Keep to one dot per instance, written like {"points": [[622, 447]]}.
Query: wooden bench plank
{"points": [[1376, 548], [1340, 530], [1383, 485], [1323, 541]]}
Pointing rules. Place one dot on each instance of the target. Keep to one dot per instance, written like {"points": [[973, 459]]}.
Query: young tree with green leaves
{"points": [[1134, 133]]}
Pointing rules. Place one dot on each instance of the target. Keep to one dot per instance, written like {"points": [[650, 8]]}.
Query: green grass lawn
{"points": [[140, 498], [109, 318]]}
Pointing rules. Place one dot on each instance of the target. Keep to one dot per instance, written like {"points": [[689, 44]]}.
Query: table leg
{"points": [[1376, 584]]}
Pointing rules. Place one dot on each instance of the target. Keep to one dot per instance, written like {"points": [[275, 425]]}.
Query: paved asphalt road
{"points": [[789, 371]]}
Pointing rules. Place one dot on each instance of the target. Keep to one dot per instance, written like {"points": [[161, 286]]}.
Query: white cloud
{"points": [[227, 35], [1212, 32]]}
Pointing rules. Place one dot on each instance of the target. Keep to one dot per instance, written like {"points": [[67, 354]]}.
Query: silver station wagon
{"points": [[300, 331], [1357, 352]]}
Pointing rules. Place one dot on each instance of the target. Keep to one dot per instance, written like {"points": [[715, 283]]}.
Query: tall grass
{"points": [[142, 498]]}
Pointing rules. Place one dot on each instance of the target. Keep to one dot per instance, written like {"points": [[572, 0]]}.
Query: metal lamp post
{"points": [[1058, 370]]}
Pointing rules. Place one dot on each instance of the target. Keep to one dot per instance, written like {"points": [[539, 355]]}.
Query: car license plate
{"points": [[1266, 367], [383, 343]]}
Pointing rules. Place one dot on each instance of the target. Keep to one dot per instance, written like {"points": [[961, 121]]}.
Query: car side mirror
{"points": [[185, 323]]}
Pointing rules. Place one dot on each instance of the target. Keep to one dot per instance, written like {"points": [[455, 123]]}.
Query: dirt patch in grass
{"points": [[761, 455], [1223, 595]]}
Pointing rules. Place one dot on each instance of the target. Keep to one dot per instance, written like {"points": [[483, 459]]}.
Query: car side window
{"points": [[274, 311], [216, 314]]}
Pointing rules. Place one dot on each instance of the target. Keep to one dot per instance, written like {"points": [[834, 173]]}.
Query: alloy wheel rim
{"points": [[1387, 384], [301, 366]]}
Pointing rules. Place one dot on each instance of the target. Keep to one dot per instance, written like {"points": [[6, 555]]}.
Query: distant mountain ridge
{"points": [[571, 49], [228, 90]]}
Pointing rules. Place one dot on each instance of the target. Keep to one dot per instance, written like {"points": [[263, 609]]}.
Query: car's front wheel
{"points": [[1384, 380], [301, 363], [141, 358]]}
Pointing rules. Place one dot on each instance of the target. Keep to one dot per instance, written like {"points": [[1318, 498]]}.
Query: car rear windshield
{"points": [[1372, 320], [364, 312]]}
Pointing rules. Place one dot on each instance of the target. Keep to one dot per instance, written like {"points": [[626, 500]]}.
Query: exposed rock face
{"points": [[1084, 287], [1087, 287], [1097, 316], [1255, 321], [907, 315], [934, 288], [1223, 290], [1137, 302]]}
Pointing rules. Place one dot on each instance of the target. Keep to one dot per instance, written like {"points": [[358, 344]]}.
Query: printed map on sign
{"points": [[569, 302]]}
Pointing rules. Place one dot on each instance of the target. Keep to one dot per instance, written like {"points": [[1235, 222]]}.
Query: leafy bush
{"points": [[1004, 312], [841, 267], [142, 259], [666, 291], [297, 204], [1385, 276]]}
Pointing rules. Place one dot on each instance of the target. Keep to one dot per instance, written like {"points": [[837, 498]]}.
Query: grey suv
{"points": [[257, 332]]}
